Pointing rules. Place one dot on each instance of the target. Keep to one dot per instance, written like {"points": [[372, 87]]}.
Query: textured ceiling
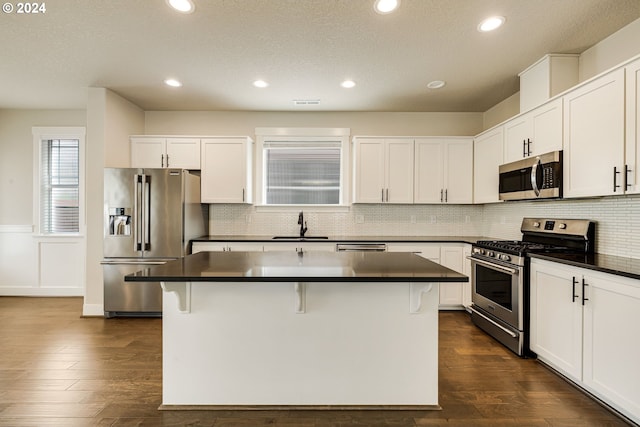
{"points": [[303, 48]]}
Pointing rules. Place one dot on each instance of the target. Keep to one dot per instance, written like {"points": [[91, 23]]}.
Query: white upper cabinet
{"points": [[226, 170], [165, 152], [488, 155], [548, 77], [443, 170], [383, 170], [631, 179], [536, 132], [594, 131]]}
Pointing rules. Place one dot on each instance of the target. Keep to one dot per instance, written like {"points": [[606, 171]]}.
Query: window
{"points": [[59, 189], [306, 169]]}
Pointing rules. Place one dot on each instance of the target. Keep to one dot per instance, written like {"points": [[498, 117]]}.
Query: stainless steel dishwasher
{"points": [[361, 247]]}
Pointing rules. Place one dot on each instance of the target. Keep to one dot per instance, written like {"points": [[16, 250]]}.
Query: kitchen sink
{"points": [[299, 238]]}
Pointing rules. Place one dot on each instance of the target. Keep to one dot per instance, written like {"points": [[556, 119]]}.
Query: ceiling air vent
{"points": [[306, 101]]}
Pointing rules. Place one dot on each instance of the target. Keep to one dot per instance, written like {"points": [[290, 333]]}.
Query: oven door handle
{"points": [[513, 334], [494, 266]]}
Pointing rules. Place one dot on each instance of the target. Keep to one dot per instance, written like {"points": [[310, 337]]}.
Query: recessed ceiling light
{"points": [[385, 6], [172, 83], [348, 84], [260, 83], [491, 24], [182, 6], [436, 84]]}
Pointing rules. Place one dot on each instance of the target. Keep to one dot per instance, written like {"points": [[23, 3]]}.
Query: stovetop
{"points": [[519, 247]]}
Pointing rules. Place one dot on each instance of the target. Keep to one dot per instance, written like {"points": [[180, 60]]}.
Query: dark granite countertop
{"points": [[621, 266], [298, 266], [346, 239]]}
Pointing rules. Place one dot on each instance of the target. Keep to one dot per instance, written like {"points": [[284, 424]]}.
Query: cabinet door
{"points": [[429, 171], [224, 170], [546, 128], [183, 153], [556, 317], [632, 146], [466, 287], [148, 152], [208, 247], [594, 137], [458, 171], [611, 345], [451, 293], [537, 132], [399, 171], [297, 246], [369, 162], [486, 161], [516, 134]]}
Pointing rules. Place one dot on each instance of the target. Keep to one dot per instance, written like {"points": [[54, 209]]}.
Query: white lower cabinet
{"points": [[226, 247], [300, 246], [449, 255], [466, 270], [585, 324]]}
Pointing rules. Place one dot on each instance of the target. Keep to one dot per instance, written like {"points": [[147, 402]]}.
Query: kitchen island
{"points": [[306, 329]]}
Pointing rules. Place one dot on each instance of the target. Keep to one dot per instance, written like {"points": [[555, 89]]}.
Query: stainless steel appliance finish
{"points": [[149, 217], [532, 178], [361, 247], [500, 275]]}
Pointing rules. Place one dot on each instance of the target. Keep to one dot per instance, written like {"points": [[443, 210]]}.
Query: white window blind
{"points": [[59, 186], [302, 173]]}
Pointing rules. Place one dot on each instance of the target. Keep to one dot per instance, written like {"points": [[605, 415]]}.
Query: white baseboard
{"points": [[93, 310], [40, 292]]}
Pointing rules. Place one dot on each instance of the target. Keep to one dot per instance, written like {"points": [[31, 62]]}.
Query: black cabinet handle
{"points": [[573, 292], [615, 179], [524, 148], [626, 177], [528, 147], [584, 285]]}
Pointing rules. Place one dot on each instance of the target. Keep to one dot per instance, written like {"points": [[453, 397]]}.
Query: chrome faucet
{"points": [[302, 223]]}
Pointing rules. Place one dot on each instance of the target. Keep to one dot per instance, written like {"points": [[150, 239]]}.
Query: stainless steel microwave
{"points": [[538, 177]]}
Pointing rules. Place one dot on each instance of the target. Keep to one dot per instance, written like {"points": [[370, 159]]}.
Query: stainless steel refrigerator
{"points": [[149, 217]]}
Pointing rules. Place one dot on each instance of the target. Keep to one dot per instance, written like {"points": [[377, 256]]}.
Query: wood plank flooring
{"points": [[58, 369]]}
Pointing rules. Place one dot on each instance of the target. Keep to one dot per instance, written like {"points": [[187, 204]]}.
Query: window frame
{"points": [[48, 133], [265, 136]]}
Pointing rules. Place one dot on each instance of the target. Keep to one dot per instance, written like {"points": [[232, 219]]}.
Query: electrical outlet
{"points": [[413, 219], [359, 219], [503, 220], [467, 219], [247, 219], [433, 219]]}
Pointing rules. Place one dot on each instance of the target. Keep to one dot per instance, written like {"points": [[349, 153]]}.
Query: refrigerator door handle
{"points": [[146, 206], [137, 212]]}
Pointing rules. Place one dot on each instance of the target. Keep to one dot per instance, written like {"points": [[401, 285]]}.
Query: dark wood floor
{"points": [[57, 369]]}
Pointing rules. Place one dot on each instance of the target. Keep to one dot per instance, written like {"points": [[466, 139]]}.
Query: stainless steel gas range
{"points": [[500, 275]]}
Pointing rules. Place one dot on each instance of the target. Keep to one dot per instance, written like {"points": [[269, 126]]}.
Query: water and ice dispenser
{"points": [[119, 221]]}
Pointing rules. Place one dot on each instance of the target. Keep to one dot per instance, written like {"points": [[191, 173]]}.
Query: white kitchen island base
{"points": [[313, 344]]}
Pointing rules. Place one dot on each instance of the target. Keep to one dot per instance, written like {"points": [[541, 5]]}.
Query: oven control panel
{"points": [[573, 227]]}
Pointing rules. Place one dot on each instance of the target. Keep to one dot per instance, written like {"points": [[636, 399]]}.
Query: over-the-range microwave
{"points": [[538, 177]]}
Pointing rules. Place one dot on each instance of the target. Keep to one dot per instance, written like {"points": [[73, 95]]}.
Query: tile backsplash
{"points": [[617, 229]]}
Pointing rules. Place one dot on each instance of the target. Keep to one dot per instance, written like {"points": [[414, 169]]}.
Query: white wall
{"points": [[616, 48], [27, 262], [16, 158], [110, 121], [361, 123]]}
